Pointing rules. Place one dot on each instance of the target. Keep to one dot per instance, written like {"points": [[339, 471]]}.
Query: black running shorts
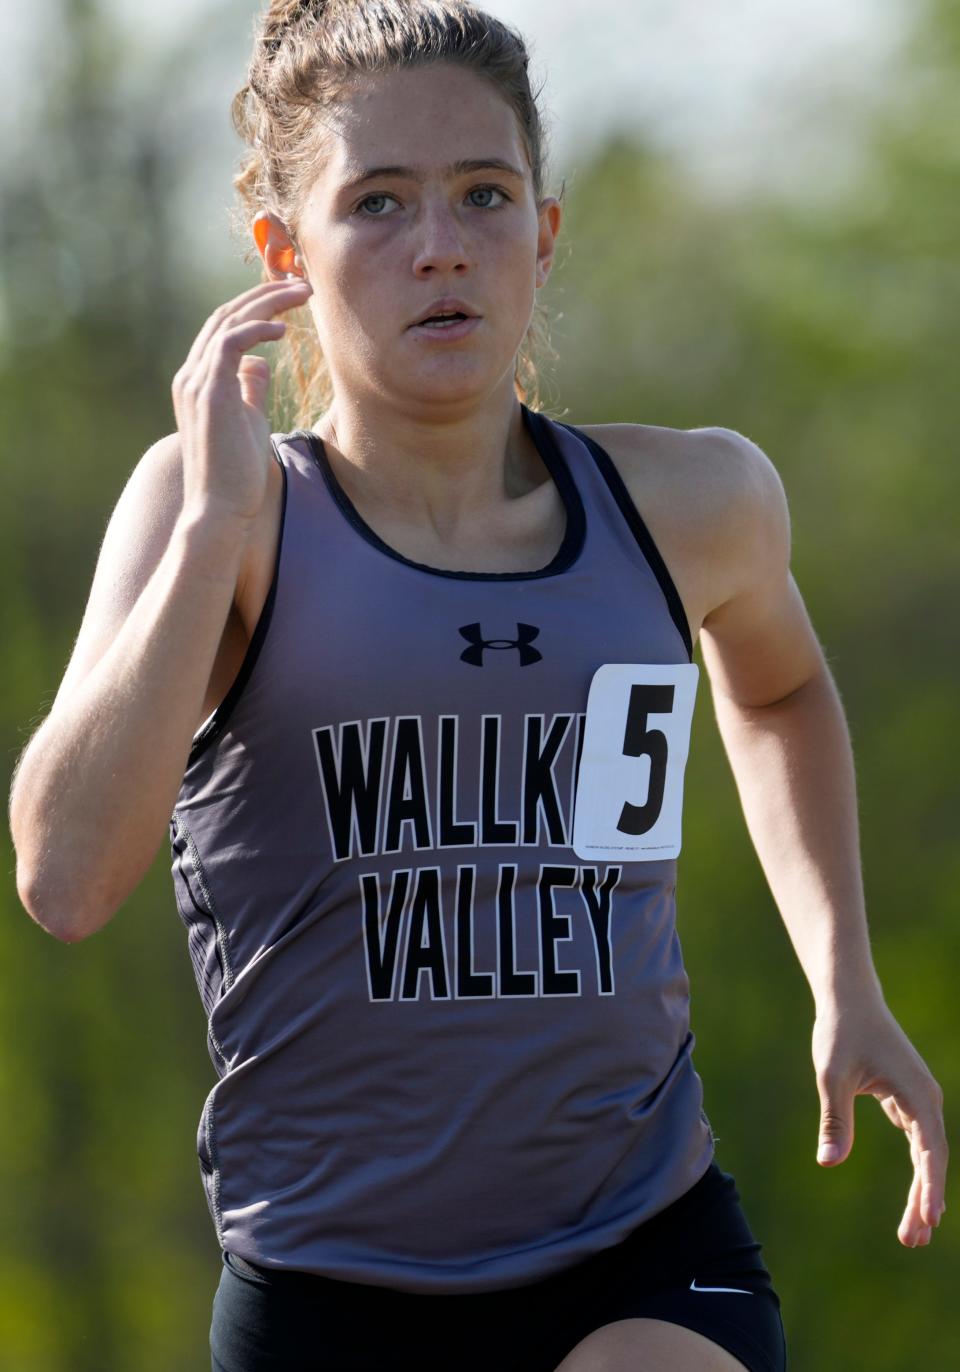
{"points": [[696, 1263]]}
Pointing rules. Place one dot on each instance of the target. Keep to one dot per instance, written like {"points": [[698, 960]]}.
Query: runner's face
{"points": [[378, 253]]}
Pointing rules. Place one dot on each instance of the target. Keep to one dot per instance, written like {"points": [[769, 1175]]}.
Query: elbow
{"points": [[62, 918], [32, 900]]}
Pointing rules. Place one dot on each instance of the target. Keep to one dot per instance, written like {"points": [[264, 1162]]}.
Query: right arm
{"points": [[93, 791], [96, 786]]}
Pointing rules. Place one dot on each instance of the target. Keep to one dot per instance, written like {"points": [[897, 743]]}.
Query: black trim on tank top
{"points": [[549, 450], [215, 724], [640, 532]]}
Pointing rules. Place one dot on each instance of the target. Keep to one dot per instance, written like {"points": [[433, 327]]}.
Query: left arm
{"points": [[786, 737]]}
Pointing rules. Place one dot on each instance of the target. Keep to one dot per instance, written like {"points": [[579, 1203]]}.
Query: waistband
{"points": [[676, 1217]]}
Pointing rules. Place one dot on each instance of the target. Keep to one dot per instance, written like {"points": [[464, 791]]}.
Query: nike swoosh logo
{"points": [[695, 1287]]}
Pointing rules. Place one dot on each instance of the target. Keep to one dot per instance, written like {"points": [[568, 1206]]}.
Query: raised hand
{"points": [[219, 398]]}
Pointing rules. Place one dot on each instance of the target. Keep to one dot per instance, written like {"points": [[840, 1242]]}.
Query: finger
{"points": [[931, 1184], [226, 353], [254, 373], [923, 1203], [892, 1110], [929, 1150], [260, 302], [922, 1114], [924, 1200], [912, 1230], [217, 316], [257, 315]]}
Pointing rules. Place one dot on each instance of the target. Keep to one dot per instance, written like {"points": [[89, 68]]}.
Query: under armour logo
{"points": [[526, 633]]}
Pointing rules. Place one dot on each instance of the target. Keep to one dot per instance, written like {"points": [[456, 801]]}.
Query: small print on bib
{"points": [[629, 796]]}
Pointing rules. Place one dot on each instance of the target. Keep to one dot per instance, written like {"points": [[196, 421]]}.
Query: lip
{"points": [[444, 305], [448, 333]]}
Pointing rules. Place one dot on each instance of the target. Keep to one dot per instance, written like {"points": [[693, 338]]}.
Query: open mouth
{"points": [[446, 327], [442, 321]]}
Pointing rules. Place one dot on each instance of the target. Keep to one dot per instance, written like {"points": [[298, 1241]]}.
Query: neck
{"points": [[438, 467]]}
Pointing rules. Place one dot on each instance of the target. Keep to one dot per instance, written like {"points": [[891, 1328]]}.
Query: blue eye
{"points": [[379, 196], [496, 191], [382, 195]]}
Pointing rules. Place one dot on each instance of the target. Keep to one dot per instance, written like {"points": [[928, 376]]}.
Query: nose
{"points": [[439, 240]]}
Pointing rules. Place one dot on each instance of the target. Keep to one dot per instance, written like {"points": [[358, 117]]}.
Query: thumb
{"points": [[836, 1125]]}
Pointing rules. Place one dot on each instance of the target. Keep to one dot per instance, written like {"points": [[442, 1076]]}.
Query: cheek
{"points": [[335, 253], [516, 244], [344, 288], [359, 267]]}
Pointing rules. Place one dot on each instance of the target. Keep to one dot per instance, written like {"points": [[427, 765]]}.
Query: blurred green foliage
{"points": [[827, 334]]}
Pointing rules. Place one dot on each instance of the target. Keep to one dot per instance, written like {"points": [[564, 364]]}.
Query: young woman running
{"points": [[412, 686]]}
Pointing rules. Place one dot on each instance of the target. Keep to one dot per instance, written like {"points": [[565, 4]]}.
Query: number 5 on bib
{"points": [[636, 739]]}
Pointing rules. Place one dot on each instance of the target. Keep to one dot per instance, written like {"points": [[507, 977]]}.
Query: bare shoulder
{"points": [[712, 500], [719, 473]]}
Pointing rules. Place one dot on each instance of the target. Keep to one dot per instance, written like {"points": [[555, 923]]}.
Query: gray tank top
{"points": [[425, 852]]}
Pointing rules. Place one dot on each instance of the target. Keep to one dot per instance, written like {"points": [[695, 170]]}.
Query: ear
{"points": [[275, 246], [550, 214]]}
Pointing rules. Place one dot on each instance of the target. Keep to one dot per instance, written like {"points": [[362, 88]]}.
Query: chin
{"points": [[433, 386]]}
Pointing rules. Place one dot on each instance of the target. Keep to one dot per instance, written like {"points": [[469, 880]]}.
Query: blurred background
{"points": [[762, 210]]}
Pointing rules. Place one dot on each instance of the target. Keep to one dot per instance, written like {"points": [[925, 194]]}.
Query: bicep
{"points": [[136, 537], [759, 644]]}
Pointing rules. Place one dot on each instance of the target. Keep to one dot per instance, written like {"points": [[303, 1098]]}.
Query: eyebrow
{"points": [[468, 164]]}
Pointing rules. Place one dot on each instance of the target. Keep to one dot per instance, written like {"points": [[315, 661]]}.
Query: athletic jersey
{"points": [[425, 851]]}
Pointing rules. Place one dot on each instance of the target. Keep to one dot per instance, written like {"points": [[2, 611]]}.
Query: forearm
{"points": [[793, 766]]}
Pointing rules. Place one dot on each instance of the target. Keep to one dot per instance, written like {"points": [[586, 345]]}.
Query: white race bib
{"points": [[636, 739]]}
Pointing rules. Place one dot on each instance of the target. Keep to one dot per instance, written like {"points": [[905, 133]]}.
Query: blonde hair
{"points": [[305, 55]]}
